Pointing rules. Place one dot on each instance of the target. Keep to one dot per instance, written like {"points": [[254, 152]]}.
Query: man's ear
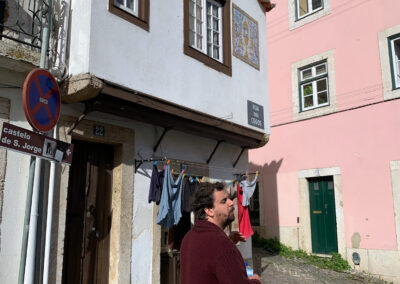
{"points": [[209, 212]]}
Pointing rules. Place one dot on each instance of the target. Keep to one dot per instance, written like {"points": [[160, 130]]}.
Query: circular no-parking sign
{"points": [[41, 100]]}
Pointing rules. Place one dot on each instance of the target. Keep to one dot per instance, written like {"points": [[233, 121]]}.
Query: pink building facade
{"points": [[330, 174]]}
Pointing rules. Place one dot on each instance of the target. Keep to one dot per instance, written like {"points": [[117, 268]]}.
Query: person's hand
{"points": [[236, 236], [256, 277]]}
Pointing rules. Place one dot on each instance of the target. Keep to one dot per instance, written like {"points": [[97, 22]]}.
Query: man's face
{"points": [[223, 208]]}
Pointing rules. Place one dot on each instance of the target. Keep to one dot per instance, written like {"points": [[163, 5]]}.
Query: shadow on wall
{"points": [[269, 214]]}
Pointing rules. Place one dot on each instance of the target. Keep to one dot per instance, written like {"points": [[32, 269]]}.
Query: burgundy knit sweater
{"points": [[208, 256]]}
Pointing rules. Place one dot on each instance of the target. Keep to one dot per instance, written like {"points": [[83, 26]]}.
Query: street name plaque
{"points": [[22, 140]]}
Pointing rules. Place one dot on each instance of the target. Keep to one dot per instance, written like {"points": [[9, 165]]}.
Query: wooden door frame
{"points": [[304, 205], [122, 197]]}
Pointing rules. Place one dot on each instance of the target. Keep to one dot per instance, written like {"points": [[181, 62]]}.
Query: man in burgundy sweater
{"points": [[208, 255]]}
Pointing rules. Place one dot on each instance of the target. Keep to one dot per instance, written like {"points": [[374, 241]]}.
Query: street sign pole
{"points": [[29, 276]]}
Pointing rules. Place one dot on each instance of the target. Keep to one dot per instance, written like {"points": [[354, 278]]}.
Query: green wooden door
{"points": [[322, 215]]}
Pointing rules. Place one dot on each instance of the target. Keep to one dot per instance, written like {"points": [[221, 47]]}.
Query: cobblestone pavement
{"points": [[279, 270]]}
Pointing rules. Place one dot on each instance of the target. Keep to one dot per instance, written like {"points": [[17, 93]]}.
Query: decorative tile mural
{"points": [[245, 37]]}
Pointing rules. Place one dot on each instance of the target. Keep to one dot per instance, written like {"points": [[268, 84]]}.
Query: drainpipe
{"points": [[26, 222], [49, 217], [59, 68], [29, 276]]}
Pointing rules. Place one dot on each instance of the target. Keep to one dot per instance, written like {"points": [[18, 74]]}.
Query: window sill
{"points": [[314, 112], [210, 62]]}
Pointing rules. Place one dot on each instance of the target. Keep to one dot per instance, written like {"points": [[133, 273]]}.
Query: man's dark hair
{"points": [[204, 198]]}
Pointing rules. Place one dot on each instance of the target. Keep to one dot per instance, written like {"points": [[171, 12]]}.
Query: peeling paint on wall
{"points": [[355, 240]]}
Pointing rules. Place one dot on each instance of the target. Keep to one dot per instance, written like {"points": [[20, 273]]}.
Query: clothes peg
{"points": [[172, 171], [155, 162], [168, 162]]}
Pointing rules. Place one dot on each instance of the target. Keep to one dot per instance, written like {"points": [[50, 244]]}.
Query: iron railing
{"points": [[22, 21]]}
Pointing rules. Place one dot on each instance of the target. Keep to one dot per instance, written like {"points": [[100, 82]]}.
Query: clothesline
{"points": [[139, 162]]}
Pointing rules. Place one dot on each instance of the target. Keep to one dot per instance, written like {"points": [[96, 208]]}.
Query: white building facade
{"points": [[141, 80]]}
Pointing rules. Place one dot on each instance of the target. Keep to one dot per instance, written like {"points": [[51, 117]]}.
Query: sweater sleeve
{"points": [[230, 269]]}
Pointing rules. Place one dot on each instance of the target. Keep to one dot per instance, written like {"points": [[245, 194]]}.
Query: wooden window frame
{"points": [[226, 65], [142, 18]]}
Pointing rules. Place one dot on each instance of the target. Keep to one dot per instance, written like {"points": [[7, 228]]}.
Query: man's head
{"points": [[211, 202]]}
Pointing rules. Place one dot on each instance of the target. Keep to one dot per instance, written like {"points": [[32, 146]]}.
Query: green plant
{"points": [[336, 262]]}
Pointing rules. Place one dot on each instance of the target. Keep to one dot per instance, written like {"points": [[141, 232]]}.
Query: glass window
{"points": [[134, 11], [395, 52], [207, 33], [306, 7], [127, 5], [314, 86], [205, 20]]}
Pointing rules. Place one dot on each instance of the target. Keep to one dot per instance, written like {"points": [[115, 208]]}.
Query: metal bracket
{"points": [[88, 108], [213, 152], [138, 163], [160, 139], [237, 159]]}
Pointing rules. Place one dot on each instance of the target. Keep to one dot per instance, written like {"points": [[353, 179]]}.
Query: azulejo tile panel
{"points": [[245, 37]]}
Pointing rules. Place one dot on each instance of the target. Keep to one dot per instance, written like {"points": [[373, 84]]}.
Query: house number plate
{"points": [[98, 130]]}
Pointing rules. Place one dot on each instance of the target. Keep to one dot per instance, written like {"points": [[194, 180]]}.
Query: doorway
{"points": [[322, 215], [89, 215]]}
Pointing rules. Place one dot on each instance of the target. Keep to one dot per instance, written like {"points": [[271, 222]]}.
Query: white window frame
{"points": [[204, 29], [313, 80], [395, 63], [296, 22], [329, 58], [310, 11], [133, 11]]}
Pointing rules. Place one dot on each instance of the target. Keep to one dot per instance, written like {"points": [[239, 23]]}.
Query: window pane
{"points": [[120, 2], [209, 49], [191, 8], [308, 102], [303, 7], [316, 4], [199, 12], [306, 74], [216, 52], [199, 29], [215, 11], [307, 89], [215, 24], [216, 38], [209, 8], [209, 36], [191, 38], [322, 98], [320, 69], [321, 85], [129, 4], [396, 59], [209, 22], [199, 42], [191, 23], [198, 2]]}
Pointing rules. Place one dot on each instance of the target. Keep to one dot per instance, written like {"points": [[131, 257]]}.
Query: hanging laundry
{"points": [[177, 232], [156, 185], [243, 211], [189, 187], [170, 205], [248, 190]]}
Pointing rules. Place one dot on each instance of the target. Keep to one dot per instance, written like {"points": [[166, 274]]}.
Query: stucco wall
{"points": [[15, 188], [364, 162]]}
